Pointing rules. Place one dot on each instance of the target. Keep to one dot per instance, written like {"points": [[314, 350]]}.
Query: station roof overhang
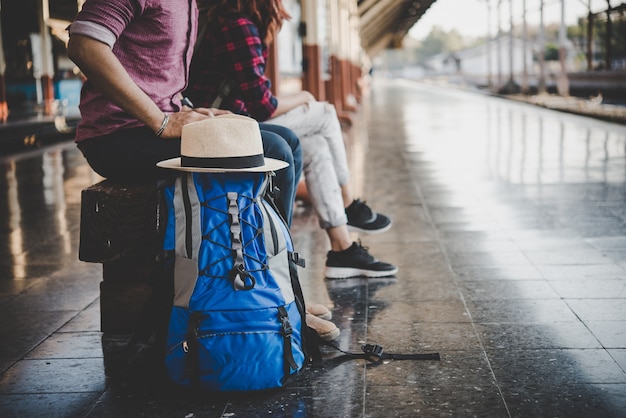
{"points": [[384, 23]]}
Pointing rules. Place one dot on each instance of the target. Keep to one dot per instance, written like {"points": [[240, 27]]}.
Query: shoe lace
{"points": [[362, 209], [364, 251]]}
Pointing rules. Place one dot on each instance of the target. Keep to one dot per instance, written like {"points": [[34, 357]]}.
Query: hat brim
{"points": [[271, 164]]}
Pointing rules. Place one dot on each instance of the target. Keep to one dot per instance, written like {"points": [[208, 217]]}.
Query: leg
{"points": [[276, 146], [321, 181], [320, 118], [339, 237], [130, 156], [324, 156], [292, 141], [346, 195]]}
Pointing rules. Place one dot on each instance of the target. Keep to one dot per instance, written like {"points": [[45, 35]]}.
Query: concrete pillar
{"points": [[541, 82], [511, 48], [312, 40], [344, 56], [608, 61], [4, 109], [524, 49], [333, 90], [43, 70], [343, 80], [354, 64], [489, 44], [590, 40], [271, 67], [562, 80], [499, 46]]}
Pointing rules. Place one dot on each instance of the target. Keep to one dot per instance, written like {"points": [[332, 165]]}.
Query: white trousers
{"points": [[325, 165]]}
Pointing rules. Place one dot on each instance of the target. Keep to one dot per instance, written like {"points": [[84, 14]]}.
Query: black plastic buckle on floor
{"points": [[375, 354]]}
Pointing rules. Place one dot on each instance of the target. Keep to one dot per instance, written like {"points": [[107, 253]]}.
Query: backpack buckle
{"points": [[241, 279], [373, 352], [295, 257], [284, 321]]}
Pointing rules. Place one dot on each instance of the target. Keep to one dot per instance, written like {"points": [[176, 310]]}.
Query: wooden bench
{"points": [[119, 228]]}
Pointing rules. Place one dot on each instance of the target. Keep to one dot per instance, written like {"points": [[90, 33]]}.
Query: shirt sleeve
{"points": [[243, 49], [94, 31], [105, 20]]}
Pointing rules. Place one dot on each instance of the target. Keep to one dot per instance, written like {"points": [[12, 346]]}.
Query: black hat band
{"points": [[248, 161]]}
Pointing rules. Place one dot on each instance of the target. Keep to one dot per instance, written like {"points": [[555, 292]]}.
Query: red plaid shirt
{"points": [[233, 50]]}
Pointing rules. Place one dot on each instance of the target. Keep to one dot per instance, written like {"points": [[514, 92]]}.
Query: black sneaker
{"points": [[356, 261], [363, 219]]}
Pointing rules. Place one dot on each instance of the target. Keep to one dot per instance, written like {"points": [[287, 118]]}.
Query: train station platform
{"points": [[509, 233], [32, 128]]}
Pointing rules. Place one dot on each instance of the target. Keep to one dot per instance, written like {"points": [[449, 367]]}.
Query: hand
{"points": [[211, 111], [308, 96], [291, 101], [174, 128]]}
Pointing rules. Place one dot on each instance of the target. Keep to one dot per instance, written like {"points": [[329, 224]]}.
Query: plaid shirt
{"points": [[234, 50]]}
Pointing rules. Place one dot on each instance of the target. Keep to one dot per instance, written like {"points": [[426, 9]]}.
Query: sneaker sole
{"points": [[330, 335], [369, 231], [325, 313], [347, 272]]}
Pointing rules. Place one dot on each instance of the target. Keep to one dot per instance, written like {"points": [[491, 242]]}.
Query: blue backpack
{"points": [[237, 323]]}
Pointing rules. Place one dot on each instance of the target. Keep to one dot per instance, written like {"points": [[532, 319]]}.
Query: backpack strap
{"points": [[290, 362], [223, 91], [192, 350], [310, 345], [272, 194], [373, 353], [227, 85], [297, 259], [311, 341]]}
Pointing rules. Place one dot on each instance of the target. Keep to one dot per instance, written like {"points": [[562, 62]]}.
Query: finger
{"points": [[204, 111]]}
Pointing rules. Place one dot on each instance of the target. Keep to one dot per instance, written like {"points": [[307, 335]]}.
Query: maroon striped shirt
{"points": [[153, 39]]}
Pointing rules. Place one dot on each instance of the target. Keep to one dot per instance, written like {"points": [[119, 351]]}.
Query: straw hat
{"points": [[225, 143]]}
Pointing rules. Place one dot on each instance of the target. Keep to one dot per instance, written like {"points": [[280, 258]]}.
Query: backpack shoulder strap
{"points": [[223, 91], [227, 85], [203, 24]]}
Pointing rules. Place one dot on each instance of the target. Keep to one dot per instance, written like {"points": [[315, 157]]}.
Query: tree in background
{"points": [[439, 41]]}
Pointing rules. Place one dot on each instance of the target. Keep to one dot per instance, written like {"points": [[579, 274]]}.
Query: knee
{"points": [[294, 144], [275, 146], [315, 149], [330, 109], [290, 138]]}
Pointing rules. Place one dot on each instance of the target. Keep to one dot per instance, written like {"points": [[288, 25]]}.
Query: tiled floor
{"points": [[509, 231]]}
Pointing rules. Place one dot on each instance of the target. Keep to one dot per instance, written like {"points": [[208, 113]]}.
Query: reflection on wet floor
{"points": [[509, 231]]}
